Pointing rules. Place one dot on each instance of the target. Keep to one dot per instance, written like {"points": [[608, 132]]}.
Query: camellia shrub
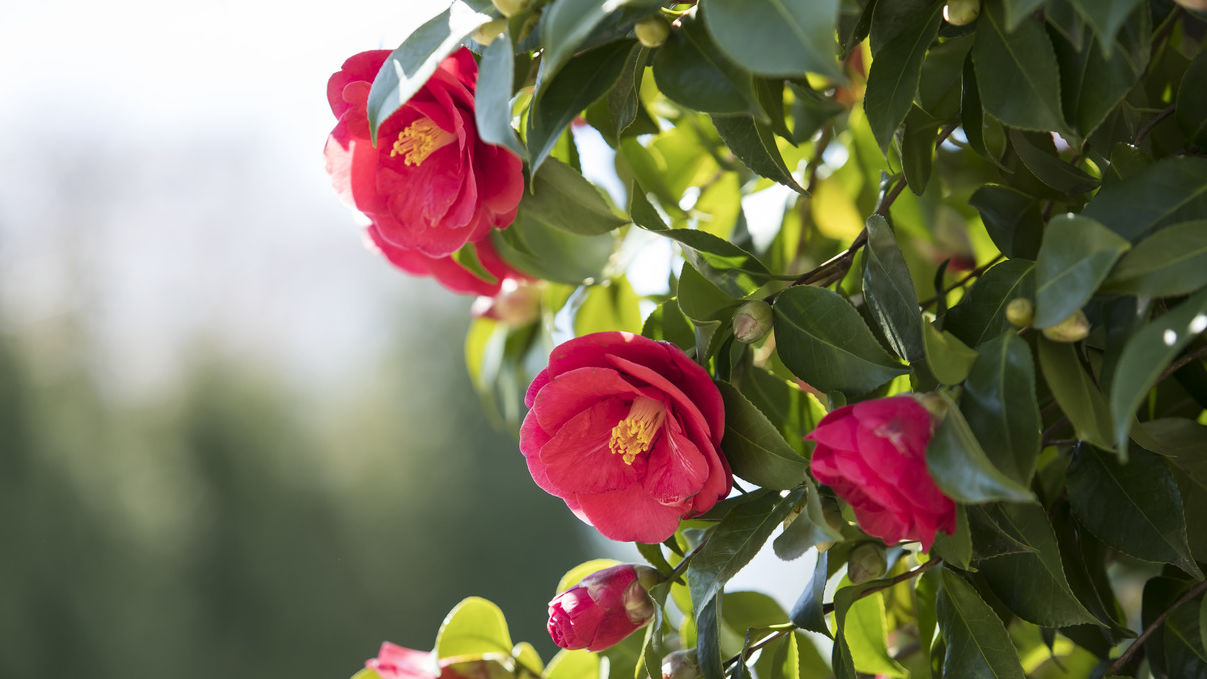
{"points": [[916, 288]]}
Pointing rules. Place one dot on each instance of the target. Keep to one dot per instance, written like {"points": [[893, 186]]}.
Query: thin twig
{"points": [[944, 134], [1136, 645], [1143, 131], [829, 608], [1181, 362], [960, 283]]}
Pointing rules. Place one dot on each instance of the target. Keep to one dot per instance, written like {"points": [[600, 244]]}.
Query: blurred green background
{"points": [[233, 442]]}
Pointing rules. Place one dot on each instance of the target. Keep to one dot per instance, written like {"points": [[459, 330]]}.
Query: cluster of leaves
{"points": [[911, 177]]}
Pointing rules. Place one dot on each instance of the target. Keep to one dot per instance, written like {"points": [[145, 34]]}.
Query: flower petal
{"points": [[629, 515], [577, 459], [572, 392]]}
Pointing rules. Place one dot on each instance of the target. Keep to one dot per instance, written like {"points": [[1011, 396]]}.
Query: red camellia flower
{"points": [[603, 609], [873, 454], [396, 662], [446, 270], [430, 184], [626, 431]]}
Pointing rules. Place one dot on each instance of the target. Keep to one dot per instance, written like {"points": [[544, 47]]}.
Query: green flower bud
{"points": [[487, 32], [866, 562], [961, 12], [681, 665], [1072, 329], [752, 321], [510, 7], [1020, 312], [652, 31]]}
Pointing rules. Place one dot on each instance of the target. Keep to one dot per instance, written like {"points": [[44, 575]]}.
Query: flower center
{"points": [[419, 140], [635, 434]]}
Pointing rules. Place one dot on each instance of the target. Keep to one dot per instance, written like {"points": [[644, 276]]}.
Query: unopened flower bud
{"points": [[602, 609], [961, 12], [934, 403], [510, 7], [487, 32], [681, 665], [1072, 329], [1020, 312], [866, 562], [1196, 5], [752, 321], [517, 304], [652, 31]]}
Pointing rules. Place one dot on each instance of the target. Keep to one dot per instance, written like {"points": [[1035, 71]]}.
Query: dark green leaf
{"points": [[492, 99], [1016, 71], [701, 300], [896, 70], [972, 119], [918, 148], [735, 541], [755, 449], [567, 23], [794, 411], [1076, 255], [754, 144], [1092, 84], [559, 98], [562, 198], [1172, 261], [1174, 189], [689, 69], [810, 111], [956, 549], [999, 405], [1185, 651], [1183, 441], [981, 315], [776, 37], [1105, 17], [708, 645], [889, 291], [409, 66], [978, 646], [961, 468], [1039, 155], [668, 323], [624, 101], [552, 254], [989, 538], [1146, 355], [807, 612], [939, 89], [1017, 10], [1075, 391], [824, 341], [1032, 584], [1135, 508], [1191, 111], [949, 358], [1012, 219]]}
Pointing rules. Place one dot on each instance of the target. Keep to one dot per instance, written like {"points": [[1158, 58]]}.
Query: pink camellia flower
{"points": [[873, 454], [602, 609], [430, 184], [395, 662], [626, 430], [447, 271]]}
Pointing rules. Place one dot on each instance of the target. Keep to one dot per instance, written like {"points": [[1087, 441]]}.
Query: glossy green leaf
{"points": [[754, 144], [1182, 441], [1093, 84], [824, 341], [1017, 10], [1076, 255], [1012, 219], [1134, 507], [474, 627], [735, 541], [613, 306], [560, 98], [552, 254], [794, 411], [1105, 17], [566, 24], [956, 548], [708, 646], [1174, 189], [492, 99], [754, 447], [1032, 583], [666, 322], [690, 70], [978, 646], [581, 664], [1191, 111], [701, 300], [895, 72], [776, 37], [961, 468], [1039, 155], [949, 358], [1185, 651], [999, 405], [527, 657], [941, 85], [1080, 399], [1016, 71], [560, 197], [889, 291], [918, 149], [409, 66], [981, 315], [810, 111], [1146, 355], [864, 628], [807, 612], [1171, 261]]}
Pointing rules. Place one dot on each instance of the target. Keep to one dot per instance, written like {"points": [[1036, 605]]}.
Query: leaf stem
{"points": [[681, 567], [1138, 644]]}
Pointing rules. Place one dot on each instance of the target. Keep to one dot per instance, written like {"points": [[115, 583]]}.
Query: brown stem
{"points": [[1183, 361], [960, 283], [1143, 131], [829, 608], [1138, 644]]}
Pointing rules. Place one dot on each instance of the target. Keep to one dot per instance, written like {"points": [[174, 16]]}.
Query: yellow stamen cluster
{"points": [[635, 433], [419, 140]]}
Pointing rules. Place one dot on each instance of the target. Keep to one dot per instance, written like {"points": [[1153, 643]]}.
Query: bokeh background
{"points": [[233, 443]]}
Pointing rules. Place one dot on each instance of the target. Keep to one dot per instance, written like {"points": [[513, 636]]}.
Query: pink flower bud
{"points": [[681, 665], [603, 609]]}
